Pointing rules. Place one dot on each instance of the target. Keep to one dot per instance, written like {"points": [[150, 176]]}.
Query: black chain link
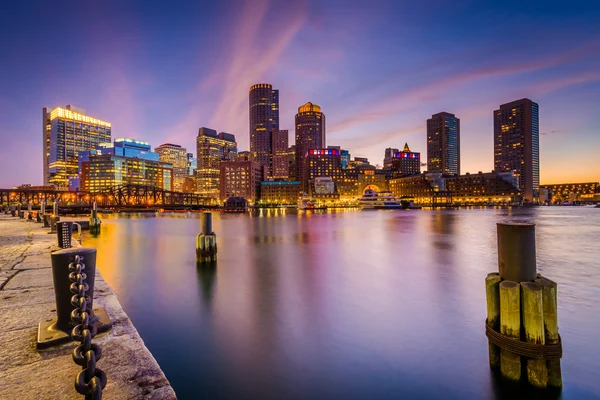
{"points": [[91, 380]]}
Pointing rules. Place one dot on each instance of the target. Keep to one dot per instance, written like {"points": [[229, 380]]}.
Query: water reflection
{"points": [[343, 304]]}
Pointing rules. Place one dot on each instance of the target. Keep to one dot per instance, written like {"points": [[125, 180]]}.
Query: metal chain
{"points": [[91, 380]]}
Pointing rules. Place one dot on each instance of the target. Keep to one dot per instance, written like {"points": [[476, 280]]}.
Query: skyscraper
{"points": [[211, 150], [516, 144], [279, 156], [406, 162], [66, 132], [264, 119], [443, 143], [389, 157], [175, 155], [310, 134]]}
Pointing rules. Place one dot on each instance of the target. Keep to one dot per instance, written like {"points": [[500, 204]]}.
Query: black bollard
{"points": [[64, 231], [58, 330]]}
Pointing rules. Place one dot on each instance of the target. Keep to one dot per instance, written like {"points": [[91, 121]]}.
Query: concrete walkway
{"points": [[27, 297]]}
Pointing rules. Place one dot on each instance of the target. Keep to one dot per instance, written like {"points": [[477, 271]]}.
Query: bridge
{"points": [[117, 197]]}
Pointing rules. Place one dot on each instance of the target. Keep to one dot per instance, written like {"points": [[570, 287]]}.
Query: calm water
{"points": [[344, 305]]}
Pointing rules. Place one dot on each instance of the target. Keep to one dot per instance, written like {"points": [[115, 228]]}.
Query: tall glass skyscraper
{"points": [[66, 132], [443, 144], [310, 134], [517, 144], [264, 120]]}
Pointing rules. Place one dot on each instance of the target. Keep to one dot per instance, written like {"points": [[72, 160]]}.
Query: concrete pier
{"points": [[27, 297]]}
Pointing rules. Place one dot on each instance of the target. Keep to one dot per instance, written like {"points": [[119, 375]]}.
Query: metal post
{"points": [[13, 211], [58, 330], [55, 208], [43, 208], [64, 232], [206, 242], [516, 252], [53, 221], [206, 223], [29, 211], [19, 212]]}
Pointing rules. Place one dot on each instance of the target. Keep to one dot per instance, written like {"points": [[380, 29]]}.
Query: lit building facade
{"points": [[211, 150], [292, 171], [573, 192], [322, 163], [516, 144], [280, 193], [192, 164], [243, 156], [405, 162], [310, 134], [264, 120], [483, 188], [279, 156], [101, 172], [369, 177], [443, 144], [427, 189], [175, 155], [66, 132], [240, 179]]}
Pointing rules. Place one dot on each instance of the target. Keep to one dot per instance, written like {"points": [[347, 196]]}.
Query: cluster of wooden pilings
{"points": [[522, 308]]}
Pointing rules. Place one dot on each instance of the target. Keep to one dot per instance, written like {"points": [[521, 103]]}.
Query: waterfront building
{"points": [[100, 172], [264, 120], [280, 193], [573, 192], [279, 156], [321, 163], [310, 135], [443, 144], [516, 144], [389, 157], [483, 188], [211, 150], [177, 156], [405, 162], [125, 147], [192, 164], [344, 155], [369, 177], [292, 171], [427, 189], [240, 179], [189, 185], [66, 132], [361, 160]]}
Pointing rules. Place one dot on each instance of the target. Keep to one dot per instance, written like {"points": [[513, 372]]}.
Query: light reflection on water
{"points": [[343, 304]]}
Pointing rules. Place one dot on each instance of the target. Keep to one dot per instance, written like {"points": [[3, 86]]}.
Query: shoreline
{"points": [[27, 297]]}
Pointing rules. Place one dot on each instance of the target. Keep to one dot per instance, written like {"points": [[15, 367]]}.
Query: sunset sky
{"points": [[159, 70]]}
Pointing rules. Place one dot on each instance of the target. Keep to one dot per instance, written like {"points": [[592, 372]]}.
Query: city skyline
{"points": [[369, 107]]}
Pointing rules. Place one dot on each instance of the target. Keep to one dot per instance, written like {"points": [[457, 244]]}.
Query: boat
{"points": [[306, 203], [371, 200]]}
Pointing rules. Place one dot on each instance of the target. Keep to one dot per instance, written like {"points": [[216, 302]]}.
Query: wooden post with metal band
{"points": [[527, 332], [206, 242]]}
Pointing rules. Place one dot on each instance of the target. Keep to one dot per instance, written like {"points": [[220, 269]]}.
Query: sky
{"points": [[159, 70]]}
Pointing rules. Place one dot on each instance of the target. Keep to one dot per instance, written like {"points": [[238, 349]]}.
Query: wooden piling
{"points": [[510, 325], [549, 289], [492, 295], [533, 324]]}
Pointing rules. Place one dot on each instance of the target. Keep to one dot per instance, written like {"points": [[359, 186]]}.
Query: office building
{"points": [[389, 157], [279, 156], [103, 171], [175, 155], [483, 188], [292, 171], [280, 193], [405, 162], [66, 132], [192, 164], [427, 189], [264, 120], [211, 150], [240, 179], [310, 134], [516, 144], [243, 156], [443, 144]]}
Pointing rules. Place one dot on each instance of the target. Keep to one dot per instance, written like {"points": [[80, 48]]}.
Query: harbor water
{"points": [[344, 304]]}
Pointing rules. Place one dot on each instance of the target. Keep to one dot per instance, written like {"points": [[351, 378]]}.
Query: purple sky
{"points": [[160, 70]]}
